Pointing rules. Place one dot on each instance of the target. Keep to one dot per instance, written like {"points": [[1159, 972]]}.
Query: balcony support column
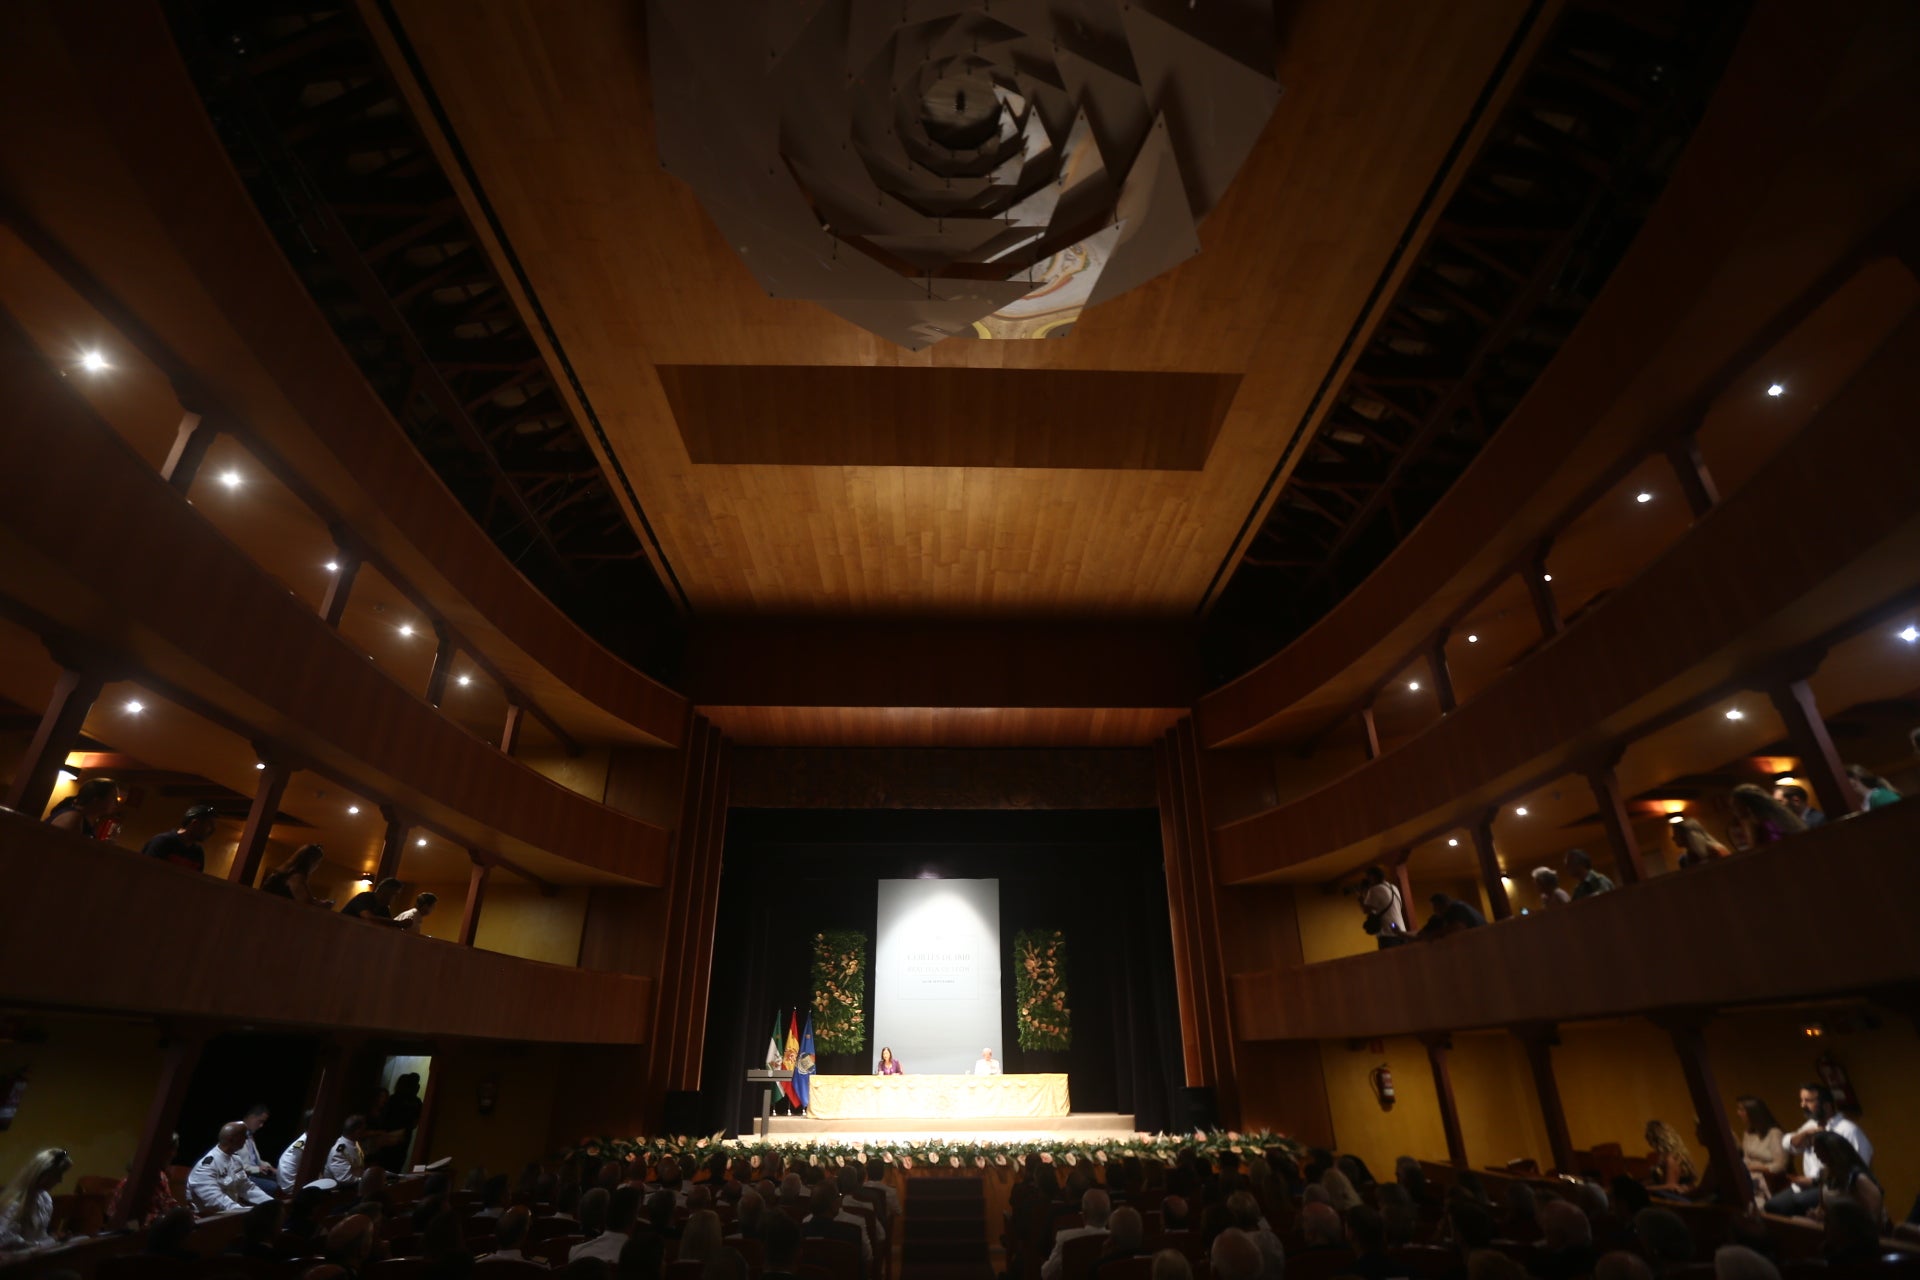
{"points": [[1438, 1049], [260, 815], [1539, 1040], [1807, 731], [1687, 1027], [74, 694], [1490, 866], [182, 1055]]}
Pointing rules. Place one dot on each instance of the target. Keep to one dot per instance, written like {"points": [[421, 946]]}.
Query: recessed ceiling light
{"points": [[421, 842], [333, 566], [231, 479], [1910, 633], [1414, 685], [70, 775], [1473, 639], [465, 680], [406, 628], [1776, 390], [94, 362], [1677, 819], [1643, 496], [259, 764], [1735, 713], [1521, 812], [1453, 843], [135, 706], [1546, 577], [353, 808]]}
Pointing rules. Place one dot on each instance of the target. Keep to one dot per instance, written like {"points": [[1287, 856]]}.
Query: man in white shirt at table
{"points": [[988, 1065]]}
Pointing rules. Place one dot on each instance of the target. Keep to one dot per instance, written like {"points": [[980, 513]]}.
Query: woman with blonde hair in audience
{"points": [[701, 1239], [1673, 1173], [26, 1206], [1339, 1189], [1766, 819], [1695, 844]]}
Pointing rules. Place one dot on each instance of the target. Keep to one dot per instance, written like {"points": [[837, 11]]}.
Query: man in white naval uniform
{"points": [[290, 1164], [346, 1162], [220, 1183]]}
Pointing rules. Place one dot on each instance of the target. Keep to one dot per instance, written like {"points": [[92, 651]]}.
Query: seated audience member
{"points": [[1243, 1212], [1171, 1264], [350, 1244], [1664, 1239], [1357, 1173], [85, 812], [1095, 1209], [1234, 1257], [728, 1264], [180, 847], [259, 1170], [826, 1221], [750, 1215], [444, 1244], [1844, 1173], [26, 1206], [1870, 789], [623, 1206], [162, 1202], [1803, 1191], [287, 1172], [1408, 1173], [1737, 1262], [220, 1181], [1852, 1235], [780, 1247], [1695, 844], [1491, 1264], [1766, 819], [701, 1239], [1521, 1221], [293, 878], [1448, 915], [1582, 881], [1546, 882], [414, 916], [510, 1235], [660, 1208], [258, 1230], [1174, 1214], [1321, 1228], [1566, 1242], [168, 1239], [1398, 1211], [792, 1190], [644, 1257], [346, 1162], [374, 904], [1468, 1226], [1126, 1238], [1762, 1143], [848, 1181], [1799, 804], [1470, 1185], [493, 1197], [1622, 1265], [303, 1213], [1340, 1190], [877, 1181], [1673, 1174], [593, 1211], [1367, 1236]]}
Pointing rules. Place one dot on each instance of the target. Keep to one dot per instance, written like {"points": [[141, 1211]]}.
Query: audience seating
{"points": [[1078, 1254], [508, 1269], [685, 1270], [555, 1248], [840, 1258]]}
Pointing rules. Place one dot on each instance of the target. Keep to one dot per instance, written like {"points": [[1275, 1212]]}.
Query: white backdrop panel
{"points": [[936, 971]]}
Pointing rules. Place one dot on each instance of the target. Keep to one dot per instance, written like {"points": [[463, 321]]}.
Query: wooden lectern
{"points": [[768, 1080]]}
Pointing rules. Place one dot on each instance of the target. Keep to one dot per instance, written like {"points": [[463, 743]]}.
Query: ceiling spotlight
{"points": [[353, 808], [259, 764], [231, 479], [421, 842], [1776, 390], [1643, 496], [1910, 633], [1473, 639], [1735, 713], [406, 628], [366, 880], [1521, 812], [94, 362], [70, 775], [1453, 843], [465, 680], [1676, 819], [1414, 685], [1546, 577], [135, 706], [333, 566]]}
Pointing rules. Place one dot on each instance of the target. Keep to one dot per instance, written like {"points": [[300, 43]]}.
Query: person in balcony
{"points": [[1872, 790], [1673, 1174], [294, 877], [1582, 880], [414, 916], [1449, 916], [374, 904], [1797, 799], [181, 846], [1844, 1174], [1766, 819], [1384, 915], [221, 1181], [1696, 845], [162, 1202], [1816, 1103], [26, 1205], [1762, 1144], [87, 811], [1546, 881]]}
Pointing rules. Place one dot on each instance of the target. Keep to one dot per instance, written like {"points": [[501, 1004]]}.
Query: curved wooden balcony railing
{"points": [[1826, 532], [99, 548], [1755, 228], [154, 939], [145, 201], [1757, 927]]}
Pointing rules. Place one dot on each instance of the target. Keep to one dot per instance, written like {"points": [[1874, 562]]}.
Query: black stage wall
{"points": [[1096, 876]]}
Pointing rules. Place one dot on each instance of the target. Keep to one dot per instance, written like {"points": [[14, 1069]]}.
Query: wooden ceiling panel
{"points": [[550, 105]]}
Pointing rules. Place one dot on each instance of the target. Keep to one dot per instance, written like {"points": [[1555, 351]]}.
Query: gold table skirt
{"points": [[936, 1097]]}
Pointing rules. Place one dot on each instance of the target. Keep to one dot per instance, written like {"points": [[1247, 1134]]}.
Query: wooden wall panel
{"points": [[109, 146], [1812, 542], [100, 545], [155, 939], [1796, 162], [896, 778], [1740, 931]]}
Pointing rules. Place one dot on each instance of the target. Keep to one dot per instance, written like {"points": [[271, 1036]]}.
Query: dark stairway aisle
{"points": [[944, 1230]]}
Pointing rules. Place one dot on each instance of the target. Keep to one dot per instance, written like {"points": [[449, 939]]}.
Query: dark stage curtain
{"points": [[1096, 876]]}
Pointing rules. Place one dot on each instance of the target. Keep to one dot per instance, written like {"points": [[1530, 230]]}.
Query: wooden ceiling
{"points": [[1095, 502]]}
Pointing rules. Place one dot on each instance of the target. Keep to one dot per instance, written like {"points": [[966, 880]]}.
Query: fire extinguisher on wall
{"points": [[1381, 1078]]}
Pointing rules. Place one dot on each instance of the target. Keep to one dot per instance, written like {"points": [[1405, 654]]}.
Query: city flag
{"points": [[803, 1076], [791, 1056]]}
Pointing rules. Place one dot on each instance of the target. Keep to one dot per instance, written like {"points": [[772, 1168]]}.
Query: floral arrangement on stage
{"points": [[1040, 990], [932, 1154], [839, 991]]}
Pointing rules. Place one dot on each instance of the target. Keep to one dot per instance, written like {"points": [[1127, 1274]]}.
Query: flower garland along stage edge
{"points": [[839, 991], [930, 1155], [1040, 990]]}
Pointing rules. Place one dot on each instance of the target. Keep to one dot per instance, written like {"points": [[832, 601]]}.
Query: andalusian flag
{"points": [[803, 1078], [773, 1044], [791, 1057]]}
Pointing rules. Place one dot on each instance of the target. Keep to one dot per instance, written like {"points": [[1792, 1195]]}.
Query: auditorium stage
{"points": [[1084, 1126]]}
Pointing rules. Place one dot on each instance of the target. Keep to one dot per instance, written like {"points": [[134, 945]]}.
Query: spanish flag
{"points": [[792, 1056]]}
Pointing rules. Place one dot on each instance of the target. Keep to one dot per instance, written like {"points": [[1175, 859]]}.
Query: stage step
{"points": [[944, 1232]]}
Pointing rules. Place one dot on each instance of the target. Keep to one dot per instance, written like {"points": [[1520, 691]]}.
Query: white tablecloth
{"points": [[935, 1097]]}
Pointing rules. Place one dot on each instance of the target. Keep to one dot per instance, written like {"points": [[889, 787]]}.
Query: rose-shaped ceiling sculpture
{"points": [[988, 169]]}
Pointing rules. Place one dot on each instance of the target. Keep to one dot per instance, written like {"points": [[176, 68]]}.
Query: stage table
{"points": [[907, 1097]]}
